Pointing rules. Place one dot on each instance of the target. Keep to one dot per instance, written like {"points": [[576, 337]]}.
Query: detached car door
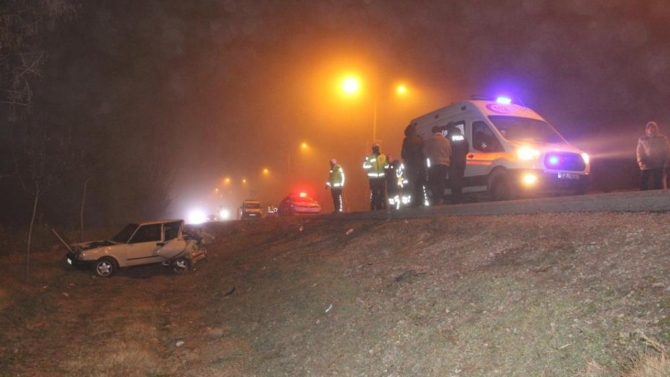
{"points": [[143, 245]]}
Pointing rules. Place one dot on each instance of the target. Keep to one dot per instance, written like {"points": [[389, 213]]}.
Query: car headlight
{"points": [[527, 153], [585, 157]]}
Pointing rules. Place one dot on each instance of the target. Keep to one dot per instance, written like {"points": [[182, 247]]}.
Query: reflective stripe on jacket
{"points": [[374, 165], [336, 177]]}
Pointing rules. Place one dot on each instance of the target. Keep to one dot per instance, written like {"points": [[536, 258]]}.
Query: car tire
{"points": [[105, 267], [501, 187], [180, 265]]}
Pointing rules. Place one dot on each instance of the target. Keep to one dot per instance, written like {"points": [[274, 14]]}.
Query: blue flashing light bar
{"points": [[504, 100]]}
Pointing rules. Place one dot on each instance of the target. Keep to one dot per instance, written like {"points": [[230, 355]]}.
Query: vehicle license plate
{"points": [[568, 176]]}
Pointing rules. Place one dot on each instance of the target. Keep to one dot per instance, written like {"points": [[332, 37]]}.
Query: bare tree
{"points": [[44, 159], [81, 211], [21, 55]]}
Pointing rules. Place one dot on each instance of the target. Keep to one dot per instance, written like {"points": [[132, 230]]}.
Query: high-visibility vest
{"points": [[336, 177], [374, 165]]}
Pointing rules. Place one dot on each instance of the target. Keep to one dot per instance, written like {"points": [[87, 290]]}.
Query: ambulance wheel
{"points": [[501, 187]]}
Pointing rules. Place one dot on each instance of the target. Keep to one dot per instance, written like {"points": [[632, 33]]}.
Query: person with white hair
{"points": [[336, 184], [653, 153]]}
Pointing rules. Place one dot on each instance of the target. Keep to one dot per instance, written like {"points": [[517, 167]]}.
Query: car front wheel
{"points": [[105, 267], [180, 265]]}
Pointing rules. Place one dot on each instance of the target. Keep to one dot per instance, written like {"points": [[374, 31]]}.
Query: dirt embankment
{"points": [[518, 295]]}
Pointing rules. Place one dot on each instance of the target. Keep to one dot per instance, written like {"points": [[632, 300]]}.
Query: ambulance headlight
{"points": [[586, 158], [527, 153], [529, 179]]}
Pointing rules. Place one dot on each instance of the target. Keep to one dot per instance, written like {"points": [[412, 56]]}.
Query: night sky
{"points": [[202, 90]]}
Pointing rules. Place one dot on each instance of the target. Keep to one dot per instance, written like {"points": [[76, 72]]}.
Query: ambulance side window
{"points": [[461, 126], [483, 139]]}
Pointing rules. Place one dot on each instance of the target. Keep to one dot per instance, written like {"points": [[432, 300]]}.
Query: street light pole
{"points": [[374, 119]]}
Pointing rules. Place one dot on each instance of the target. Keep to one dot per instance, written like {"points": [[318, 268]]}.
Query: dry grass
{"points": [[540, 295]]}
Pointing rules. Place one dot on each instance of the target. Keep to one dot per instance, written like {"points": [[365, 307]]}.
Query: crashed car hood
{"points": [[92, 245]]}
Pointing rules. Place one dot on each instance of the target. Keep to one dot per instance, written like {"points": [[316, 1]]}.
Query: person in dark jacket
{"points": [[414, 162], [393, 175], [653, 154], [459, 151]]}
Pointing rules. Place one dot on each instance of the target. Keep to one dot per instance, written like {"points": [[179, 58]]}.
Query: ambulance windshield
{"points": [[526, 129]]}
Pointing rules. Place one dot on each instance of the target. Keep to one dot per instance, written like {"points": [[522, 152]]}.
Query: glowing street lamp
{"points": [[304, 148], [351, 86]]}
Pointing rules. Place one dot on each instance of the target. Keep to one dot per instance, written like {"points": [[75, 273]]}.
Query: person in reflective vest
{"points": [[374, 166], [336, 184]]}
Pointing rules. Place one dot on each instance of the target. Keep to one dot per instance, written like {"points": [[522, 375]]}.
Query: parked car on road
{"points": [[298, 204], [251, 209], [162, 241]]}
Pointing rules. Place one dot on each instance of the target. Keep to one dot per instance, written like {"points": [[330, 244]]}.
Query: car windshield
{"points": [[124, 235], [526, 129], [251, 205], [302, 199]]}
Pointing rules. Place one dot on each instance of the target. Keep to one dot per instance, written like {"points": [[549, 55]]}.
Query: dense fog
{"points": [[169, 98]]}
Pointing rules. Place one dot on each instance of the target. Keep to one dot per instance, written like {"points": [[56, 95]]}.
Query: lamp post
{"points": [[352, 86], [303, 147]]}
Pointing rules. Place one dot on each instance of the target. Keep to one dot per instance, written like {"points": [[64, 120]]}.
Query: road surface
{"points": [[631, 201]]}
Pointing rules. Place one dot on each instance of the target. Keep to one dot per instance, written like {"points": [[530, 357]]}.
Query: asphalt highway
{"points": [[631, 201]]}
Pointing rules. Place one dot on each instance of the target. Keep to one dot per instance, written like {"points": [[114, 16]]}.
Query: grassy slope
{"points": [[532, 295]]}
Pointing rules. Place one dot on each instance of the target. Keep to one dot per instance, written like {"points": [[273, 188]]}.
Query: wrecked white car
{"points": [[163, 241]]}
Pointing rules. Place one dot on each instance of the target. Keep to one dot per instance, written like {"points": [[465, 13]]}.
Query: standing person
{"points": [[414, 166], [336, 184], [459, 151], [393, 174], [653, 153], [374, 165], [438, 152]]}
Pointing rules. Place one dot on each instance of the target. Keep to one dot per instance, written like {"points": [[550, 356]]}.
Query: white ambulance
{"points": [[514, 152]]}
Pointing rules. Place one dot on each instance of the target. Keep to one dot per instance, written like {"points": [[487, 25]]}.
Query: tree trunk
{"points": [[30, 234], [81, 212]]}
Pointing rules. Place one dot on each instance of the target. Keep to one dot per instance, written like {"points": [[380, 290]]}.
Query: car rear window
{"points": [[172, 230]]}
